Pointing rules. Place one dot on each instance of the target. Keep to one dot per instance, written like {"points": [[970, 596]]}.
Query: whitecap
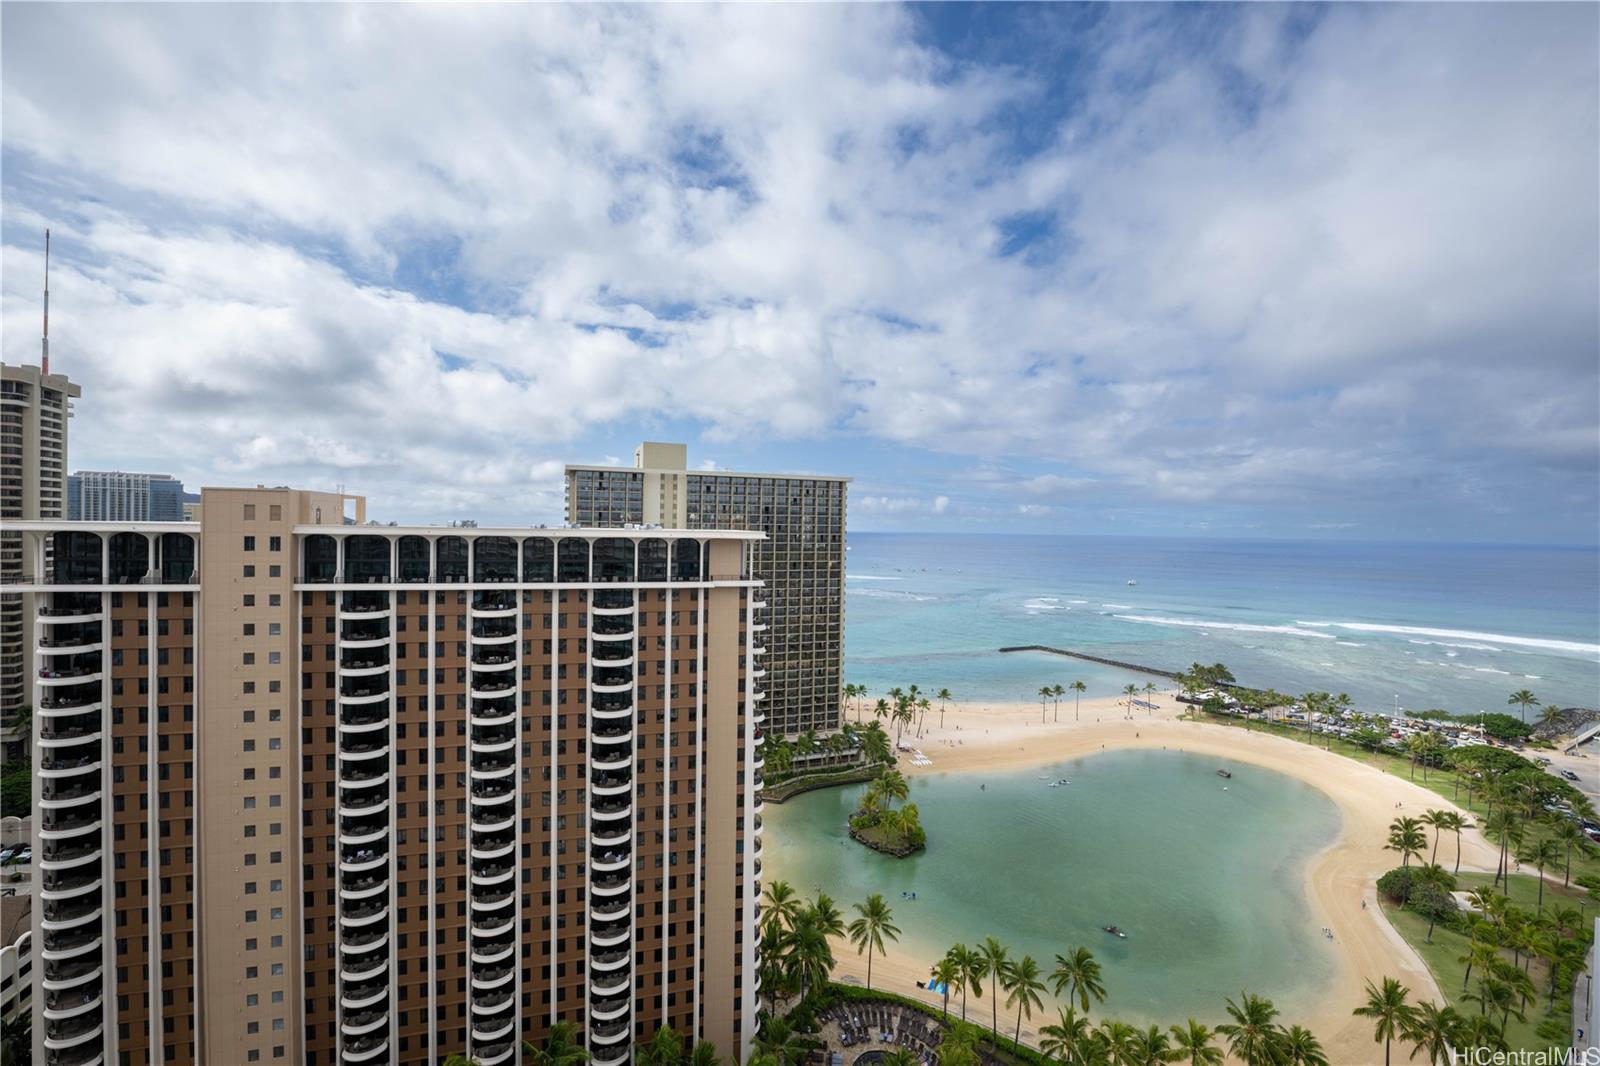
{"points": [[1043, 603], [870, 577], [1077, 601], [1242, 627], [1489, 670], [1533, 677], [1118, 606], [1542, 643]]}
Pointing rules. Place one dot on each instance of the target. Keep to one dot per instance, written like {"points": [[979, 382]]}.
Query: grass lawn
{"points": [[1444, 954], [1444, 782]]}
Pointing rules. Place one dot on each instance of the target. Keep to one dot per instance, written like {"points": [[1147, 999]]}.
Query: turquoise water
{"points": [[1209, 884], [1452, 626]]}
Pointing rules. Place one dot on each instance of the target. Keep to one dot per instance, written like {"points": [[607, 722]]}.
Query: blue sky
{"points": [[1277, 271]]}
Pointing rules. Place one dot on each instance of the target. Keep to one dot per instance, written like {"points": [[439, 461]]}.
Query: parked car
{"points": [[1569, 775]]}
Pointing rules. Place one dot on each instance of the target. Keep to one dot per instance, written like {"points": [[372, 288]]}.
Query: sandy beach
{"points": [[979, 737]]}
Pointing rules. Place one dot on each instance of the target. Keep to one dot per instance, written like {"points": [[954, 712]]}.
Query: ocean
{"points": [[1451, 626]]}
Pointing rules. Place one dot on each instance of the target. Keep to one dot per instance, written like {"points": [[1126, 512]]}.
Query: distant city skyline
{"points": [[1266, 271]]}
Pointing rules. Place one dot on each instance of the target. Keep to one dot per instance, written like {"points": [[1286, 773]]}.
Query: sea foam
{"points": [[1544, 644], [1242, 627]]}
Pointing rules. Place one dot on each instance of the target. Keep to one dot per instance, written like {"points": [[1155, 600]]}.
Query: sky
{"points": [[1258, 271]]}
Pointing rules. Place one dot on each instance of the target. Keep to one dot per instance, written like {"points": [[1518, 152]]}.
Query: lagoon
{"points": [[1207, 875]]}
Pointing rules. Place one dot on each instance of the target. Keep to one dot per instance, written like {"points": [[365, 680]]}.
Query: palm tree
{"points": [[456, 1058], [1480, 954], [946, 973], [1080, 973], [869, 931], [825, 914], [1406, 837], [1434, 1030], [559, 1048], [1044, 701], [665, 1048], [944, 697], [1149, 691], [704, 1054], [1023, 986], [1301, 1048], [778, 1039], [1065, 1038], [1192, 1044], [851, 691], [1503, 828], [1130, 691], [1522, 699], [1252, 1036], [16, 1034], [1455, 823], [1436, 820], [1078, 689], [1571, 836], [1391, 1015], [781, 905], [1541, 853], [1056, 692], [875, 744], [994, 964], [973, 968], [1149, 1047], [1114, 1040], [808, 953]]}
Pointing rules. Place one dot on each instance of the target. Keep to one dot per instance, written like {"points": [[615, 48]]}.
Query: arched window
{"points": [[613, 559], [77, 558], [494, 559], [414, 558], [452, 559], [538, 559], [574, 555], [653, 559], [130, 558], [322, 558], [177, 558], [366, 559], [686, 560]]}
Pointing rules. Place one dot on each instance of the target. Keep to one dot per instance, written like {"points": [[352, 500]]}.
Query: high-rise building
{"points": [[316, 791], [801, 560], [34, 409], [118, 496]]}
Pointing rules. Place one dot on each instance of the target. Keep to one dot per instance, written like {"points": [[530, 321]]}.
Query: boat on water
{"points": [[1131, 581], [1224, 773], [1114, 931]]}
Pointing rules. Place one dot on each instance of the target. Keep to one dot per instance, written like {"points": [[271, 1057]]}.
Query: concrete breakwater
{"points": [[1136, 667]]}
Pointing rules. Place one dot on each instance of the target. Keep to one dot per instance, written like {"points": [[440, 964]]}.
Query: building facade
{"points": [[34, 410], [802, 559], [424, 790], [118, 496]]}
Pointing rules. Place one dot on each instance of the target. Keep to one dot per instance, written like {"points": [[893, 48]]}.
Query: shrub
{"points": [[1396, 885], [1433, 903]]}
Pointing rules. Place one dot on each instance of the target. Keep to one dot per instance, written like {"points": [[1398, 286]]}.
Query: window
{"points": [[275, 512], [249, 571], [249, 512], [274, 544], [249, 544], [249, 600]]}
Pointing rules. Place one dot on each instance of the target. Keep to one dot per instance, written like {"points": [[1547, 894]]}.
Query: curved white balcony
{"points": [[91, 917], [602, 866], [90, 945], [96, 615], [85, 889], [60, 984], [499, 1057], [760, 805], [618, 1011], [359, 701], [624, 737], [69, 801], [608, 664], [381, 887], [602, 1036], [58, 741], [509, 692], [758, 605], [489, 773], [88, 647], [504, 639], [357, 614], [364, 642], [757, 694], [506, 821], [377, 1050], [494, 612], [757, 627], [484, 1005], [759, 671], [349, 973], [61, 1043], [380, 752], [494, 925], [509, 664], [59, 1014], [611, 612], [494, 851], [614, 712], [489, 1030], [608, 940], [493, 878], [500, 718], [363, 727], [758, 762], [615, 914], [363, 671], [362, 1028], [616, 1060], [614, 789], [487, 983], [758, 650], [70, 771], [625, 812], [623, 836], [615, 888], [505, 797], [349, 1002], [494, 953], [67, 862], [361, 865], [622, 762], [366, 948], [92, 707], [487, 746], [620, 686], [357, 921], [615, 962], [381, 778], [611, 636]]}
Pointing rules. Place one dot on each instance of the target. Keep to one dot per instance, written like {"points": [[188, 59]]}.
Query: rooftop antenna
{"points": [[44, 359]]}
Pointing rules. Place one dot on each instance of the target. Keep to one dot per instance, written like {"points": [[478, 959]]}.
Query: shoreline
{"points": [[1001, 736]]}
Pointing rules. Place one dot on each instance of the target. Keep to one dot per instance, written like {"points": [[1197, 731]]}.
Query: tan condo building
{"points": [[801, 559], [315, 791]]}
